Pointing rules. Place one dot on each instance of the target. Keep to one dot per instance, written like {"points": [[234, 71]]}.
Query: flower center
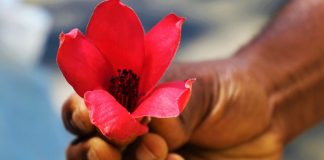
{"points": [[124, 87]]}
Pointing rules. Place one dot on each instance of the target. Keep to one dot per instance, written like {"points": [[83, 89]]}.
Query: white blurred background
{"points": [[32, 89]]}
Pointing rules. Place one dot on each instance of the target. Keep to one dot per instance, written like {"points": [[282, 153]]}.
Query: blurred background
{"points": [[32, 88]]}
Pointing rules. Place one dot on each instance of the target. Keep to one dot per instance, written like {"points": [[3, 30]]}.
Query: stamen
{"points": [[124, 87]]}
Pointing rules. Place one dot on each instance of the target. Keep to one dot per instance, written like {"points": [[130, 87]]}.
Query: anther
{"points": [[124, 87]]}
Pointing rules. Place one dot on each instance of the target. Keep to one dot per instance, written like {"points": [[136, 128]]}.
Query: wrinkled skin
{"points": [[246, 107]]}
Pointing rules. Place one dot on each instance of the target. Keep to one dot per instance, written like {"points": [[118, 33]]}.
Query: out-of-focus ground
{"points": [[32, 89]]}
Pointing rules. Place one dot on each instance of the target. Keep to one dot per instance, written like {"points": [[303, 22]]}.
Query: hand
{"points": [[229, 116], [91, 145]]}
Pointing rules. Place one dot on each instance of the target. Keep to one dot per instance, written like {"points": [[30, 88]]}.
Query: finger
{"points": [[76, 116], [92, 149], [172, 130], [151, 147], [177, 131], [174, 156]]}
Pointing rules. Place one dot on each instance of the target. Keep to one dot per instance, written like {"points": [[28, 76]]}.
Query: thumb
{"points": [[177, 131]]}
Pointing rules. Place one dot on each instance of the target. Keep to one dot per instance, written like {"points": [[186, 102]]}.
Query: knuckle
{"points": [[76, 117]]}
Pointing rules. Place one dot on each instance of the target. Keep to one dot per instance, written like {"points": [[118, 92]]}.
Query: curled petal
{"points": [[82, 65], [113, 120], [166, 100], [161, 44], [118, 33]]}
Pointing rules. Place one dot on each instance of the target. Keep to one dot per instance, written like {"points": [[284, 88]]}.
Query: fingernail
{"points": [[92, 155], [145, 120], [78, 120], [143, 153], [174, 157]]}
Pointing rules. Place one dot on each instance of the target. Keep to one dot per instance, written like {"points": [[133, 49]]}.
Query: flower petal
{"points": [[118, 33], [82, 65], [113, 120], [161, 44], [166, 100]]}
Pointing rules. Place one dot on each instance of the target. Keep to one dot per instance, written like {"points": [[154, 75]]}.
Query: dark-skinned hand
{"points": [[228, 117]]}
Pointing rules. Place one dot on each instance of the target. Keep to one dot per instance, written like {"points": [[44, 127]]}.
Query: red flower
{"points": [[115, 68]]}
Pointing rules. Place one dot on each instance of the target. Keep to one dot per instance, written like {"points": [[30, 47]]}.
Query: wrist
{"points": [[294, 86]]}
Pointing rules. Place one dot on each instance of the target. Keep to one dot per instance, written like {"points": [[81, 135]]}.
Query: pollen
{"points": [[124, 87]]}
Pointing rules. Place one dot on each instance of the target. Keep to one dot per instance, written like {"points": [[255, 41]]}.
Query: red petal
{"points": [[161, 44], [113, 120], [117, 32], [81, 63], [166, 100]]}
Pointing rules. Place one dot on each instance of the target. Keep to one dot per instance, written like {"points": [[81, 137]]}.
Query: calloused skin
{"points": [[248, 106]]}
